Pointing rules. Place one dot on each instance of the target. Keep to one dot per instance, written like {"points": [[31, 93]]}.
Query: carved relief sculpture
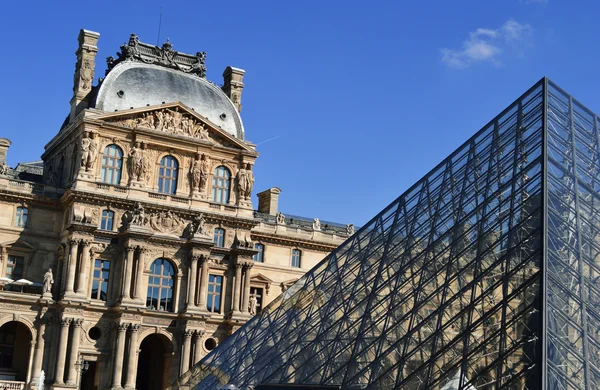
{"points": [[167, 222], [197, 227], [86, 74], [169, 121], [138, 216], [350, 229], [4, 169]]}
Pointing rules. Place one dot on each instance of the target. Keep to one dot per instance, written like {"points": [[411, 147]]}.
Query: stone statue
{"points": [[136, 162], [204, 172], [93, 150], [138, 216], [87, 74], [280, 218], [195, 173], [253, 303], [4, 168], [48, 281], [197, 227], [350, 229], [245, 179], [242, 181], [85, 149], [316, 224], [249, 180]]}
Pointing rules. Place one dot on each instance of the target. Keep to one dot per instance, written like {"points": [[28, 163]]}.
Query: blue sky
{"points": [[350, 102]]}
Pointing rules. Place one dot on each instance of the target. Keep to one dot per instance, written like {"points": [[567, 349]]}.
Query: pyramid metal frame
{"points": [[485, 274]]}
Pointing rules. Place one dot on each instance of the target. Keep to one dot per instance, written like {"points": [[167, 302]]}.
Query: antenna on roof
{"points": [[159, 23]]}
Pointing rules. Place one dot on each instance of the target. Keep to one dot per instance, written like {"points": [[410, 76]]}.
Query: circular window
{"points": [[95, 333], [210, 344]]}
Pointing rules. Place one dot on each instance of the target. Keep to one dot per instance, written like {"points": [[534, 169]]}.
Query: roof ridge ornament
{"points": [[134, 50]]}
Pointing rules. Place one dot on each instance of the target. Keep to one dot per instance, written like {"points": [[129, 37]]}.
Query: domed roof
{"points": [[133, 84]]}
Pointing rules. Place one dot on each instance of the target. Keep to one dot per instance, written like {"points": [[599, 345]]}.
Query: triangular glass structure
{"points": [[485, 274]]}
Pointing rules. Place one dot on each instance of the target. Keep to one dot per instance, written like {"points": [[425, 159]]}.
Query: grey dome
{"points": [[145, 84]]}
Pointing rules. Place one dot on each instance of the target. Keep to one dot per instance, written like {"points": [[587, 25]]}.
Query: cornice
{"points": [[287, 241]]}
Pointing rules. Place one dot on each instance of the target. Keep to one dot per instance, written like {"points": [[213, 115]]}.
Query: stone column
{"points": [[203, 285], [132, 357], [185, 351], [3, 260], [129, 251], [74, 245], [139, 281], [246, 298], [63, 340], [120, 350], [176, 293], [237, 287], [74, 355], [198, 346], [39, 351], [83, 267], [191, 298], [29, 364]]}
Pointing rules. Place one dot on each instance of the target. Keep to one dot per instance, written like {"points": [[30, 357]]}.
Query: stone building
{"points": [[133, 247]]}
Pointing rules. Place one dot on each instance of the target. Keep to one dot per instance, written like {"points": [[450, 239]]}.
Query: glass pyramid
{"points": [[485, 274]]}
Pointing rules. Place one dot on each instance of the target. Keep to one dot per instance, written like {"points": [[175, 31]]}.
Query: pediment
{"points": [[174, 119], [18, 244], [260, 278]]}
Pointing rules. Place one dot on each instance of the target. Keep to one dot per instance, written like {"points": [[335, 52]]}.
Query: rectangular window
{"points": [[100, 281], [219, 238], [258, 293], [21, 217], [213, 299], [15, 267], [259, 256], [106, 222], [296, 257]]}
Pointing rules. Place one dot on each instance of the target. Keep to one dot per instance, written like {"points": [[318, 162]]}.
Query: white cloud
{"points": [[487, 45]]}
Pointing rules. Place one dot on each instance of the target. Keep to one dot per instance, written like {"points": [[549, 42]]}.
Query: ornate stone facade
{"points": [[139, 234]]}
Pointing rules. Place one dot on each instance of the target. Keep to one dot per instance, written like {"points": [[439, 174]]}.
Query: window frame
{"points": [[167, 183], [160, 287], [21, 216], [100, 279], [104, 217], [221, 185], [211, 294], [259, 257], [219, 239], [112, 165], [15, 265], [296, 254]]}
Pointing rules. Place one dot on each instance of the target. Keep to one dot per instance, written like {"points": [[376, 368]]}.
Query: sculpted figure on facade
{"points": [[195, 173], [4, 169], [48, 281], [136, 162], [280, 218], [86, 74], [93, 151], [85, 149], [204, 172], [245, 179], [316, 224], [252, 306], [138, 215], [197, 227], [170, 121], [350, 229]]}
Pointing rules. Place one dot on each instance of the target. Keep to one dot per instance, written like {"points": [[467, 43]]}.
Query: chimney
{"points": [[84, 71], [233, 85], [4, 145], [268, 201]]}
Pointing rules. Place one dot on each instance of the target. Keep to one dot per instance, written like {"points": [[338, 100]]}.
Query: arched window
{"points": [[161, 285], [106, 223], [219, 237], [259, 255], [167, 175], [296, 258], [112, 162], [220, 185], [21, 217]]}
